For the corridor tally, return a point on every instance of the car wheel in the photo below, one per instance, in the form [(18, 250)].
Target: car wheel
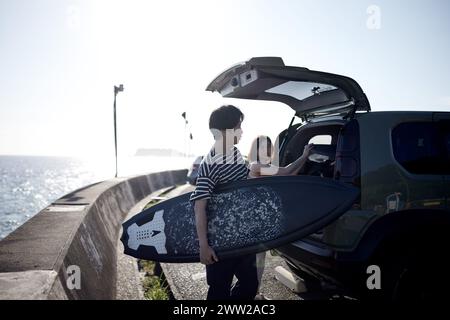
[(411, 278), (409, 286)]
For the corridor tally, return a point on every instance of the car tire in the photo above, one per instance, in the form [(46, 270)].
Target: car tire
[(412, 276)]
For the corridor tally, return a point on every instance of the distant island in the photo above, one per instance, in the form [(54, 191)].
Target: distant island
[(143, 152)]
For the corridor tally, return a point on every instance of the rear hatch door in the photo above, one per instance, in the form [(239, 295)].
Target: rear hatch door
[(310, 93)]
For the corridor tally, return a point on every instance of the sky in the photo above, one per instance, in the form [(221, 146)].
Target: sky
[(59, 62)]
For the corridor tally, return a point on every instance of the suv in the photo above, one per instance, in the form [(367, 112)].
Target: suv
[(399, 160), (193, 171)]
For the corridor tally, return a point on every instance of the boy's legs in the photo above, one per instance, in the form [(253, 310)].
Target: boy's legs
[(219, 276), (247, 285)]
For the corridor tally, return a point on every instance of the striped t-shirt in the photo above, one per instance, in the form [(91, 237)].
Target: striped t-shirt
[(216, 169)]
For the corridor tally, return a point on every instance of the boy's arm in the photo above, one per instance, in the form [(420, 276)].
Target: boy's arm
[(207, 254)]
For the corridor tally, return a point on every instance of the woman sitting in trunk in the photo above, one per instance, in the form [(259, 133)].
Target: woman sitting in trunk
[(261, 155), (260, 159)]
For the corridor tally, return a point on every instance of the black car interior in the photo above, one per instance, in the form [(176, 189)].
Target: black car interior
[(318, 166)]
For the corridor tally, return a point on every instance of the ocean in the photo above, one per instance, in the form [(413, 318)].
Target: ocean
[(30, 183)]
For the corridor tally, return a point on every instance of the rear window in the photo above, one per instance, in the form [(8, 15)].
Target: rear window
[(300, 90), (422, 147), (321, 139)]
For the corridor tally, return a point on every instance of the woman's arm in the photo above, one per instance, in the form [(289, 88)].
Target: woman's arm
[(261, 170), (257, 169), (294, 167)]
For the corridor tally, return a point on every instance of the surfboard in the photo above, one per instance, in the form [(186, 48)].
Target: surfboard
[(246, 216)]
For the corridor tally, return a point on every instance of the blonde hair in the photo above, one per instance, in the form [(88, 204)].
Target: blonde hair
[(253, 155)]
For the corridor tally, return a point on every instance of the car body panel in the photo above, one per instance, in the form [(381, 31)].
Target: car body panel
[(445, 116), (193, 170), (385, 185)]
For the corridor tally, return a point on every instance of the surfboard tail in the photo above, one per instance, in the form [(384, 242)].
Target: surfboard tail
[(150, 234)]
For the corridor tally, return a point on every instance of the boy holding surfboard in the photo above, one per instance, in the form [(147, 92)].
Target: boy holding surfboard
[(224, 163)]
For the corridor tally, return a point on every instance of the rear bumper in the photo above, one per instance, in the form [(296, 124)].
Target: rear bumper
[(341, 269)]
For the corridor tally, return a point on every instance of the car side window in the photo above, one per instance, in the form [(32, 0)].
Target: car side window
[(420, 147)]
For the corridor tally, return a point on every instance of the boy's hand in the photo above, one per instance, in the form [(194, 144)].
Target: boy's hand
[(207, 255)]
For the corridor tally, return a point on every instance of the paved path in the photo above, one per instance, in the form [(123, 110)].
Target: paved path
[(188, 280)]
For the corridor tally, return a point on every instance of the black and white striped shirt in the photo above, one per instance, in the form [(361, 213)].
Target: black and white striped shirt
[(216, 169)]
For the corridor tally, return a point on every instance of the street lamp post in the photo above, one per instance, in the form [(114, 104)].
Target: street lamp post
[(185, 132), (187, 139), (116, 91)]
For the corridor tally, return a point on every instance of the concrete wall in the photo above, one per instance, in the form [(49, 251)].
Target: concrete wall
[(80, 230)]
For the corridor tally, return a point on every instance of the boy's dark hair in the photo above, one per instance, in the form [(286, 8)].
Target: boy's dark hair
[(225, 117)]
